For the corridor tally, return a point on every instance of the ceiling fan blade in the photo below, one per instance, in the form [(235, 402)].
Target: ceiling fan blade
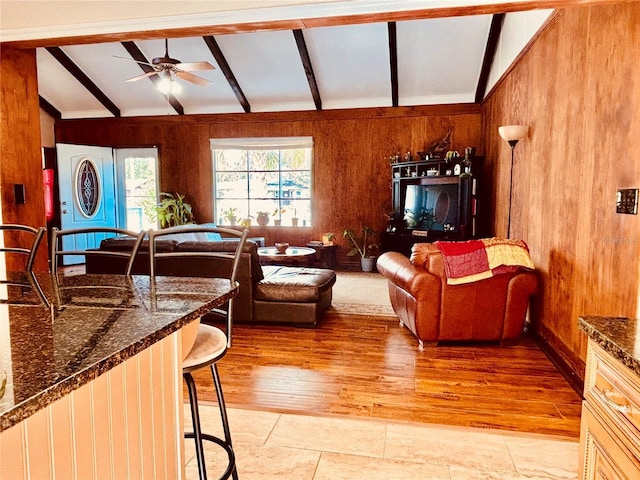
[(190, 77), (191, 66), (139, 77), (134, 60)]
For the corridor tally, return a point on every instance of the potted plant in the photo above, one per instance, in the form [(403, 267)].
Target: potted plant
[(363, 245), (173, 210), (328, 238), (262, 218), (294, 218), (277, 221), (230, 215)]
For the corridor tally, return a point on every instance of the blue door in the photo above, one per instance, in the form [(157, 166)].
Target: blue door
[(86, 180)]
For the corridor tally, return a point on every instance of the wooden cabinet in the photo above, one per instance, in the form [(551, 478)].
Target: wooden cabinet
[(610, 431)]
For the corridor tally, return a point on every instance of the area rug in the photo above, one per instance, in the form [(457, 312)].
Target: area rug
[(361, 293)]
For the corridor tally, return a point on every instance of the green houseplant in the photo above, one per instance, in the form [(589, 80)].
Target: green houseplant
[(328, 238), (173, 210), (230, 215), (364, 245)]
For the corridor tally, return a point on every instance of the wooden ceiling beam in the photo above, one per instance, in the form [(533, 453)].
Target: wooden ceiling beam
[(308, 67), (292, 24), (215, 50), (85, 81), (489, 55), (138, 56), (50, 109), (393, 62)]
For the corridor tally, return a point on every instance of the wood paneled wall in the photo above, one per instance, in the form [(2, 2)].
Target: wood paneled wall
[(351, 174), (578, 88), (20, 154)]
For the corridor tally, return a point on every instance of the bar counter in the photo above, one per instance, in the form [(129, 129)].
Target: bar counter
[(618, 336), (97, 348)]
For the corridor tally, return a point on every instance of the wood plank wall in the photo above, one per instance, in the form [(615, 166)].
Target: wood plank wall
[(20, 155), (351, 174), (578, 88)]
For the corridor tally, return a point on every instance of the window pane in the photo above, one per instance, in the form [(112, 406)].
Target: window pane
[(258, 184), (296, 159), (231, 185), (296, 184), (140, 192), (263, 160), (230, 160)]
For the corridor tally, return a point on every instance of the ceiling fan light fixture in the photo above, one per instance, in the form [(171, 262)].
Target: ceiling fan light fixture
[(168, 85)]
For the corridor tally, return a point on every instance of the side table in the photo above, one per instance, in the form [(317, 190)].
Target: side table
[(325, 255), (292, 256)]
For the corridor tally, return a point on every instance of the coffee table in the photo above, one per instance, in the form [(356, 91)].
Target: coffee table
[(291, 256)]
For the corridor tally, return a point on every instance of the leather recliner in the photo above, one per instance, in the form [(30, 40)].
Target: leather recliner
[(492, 309)]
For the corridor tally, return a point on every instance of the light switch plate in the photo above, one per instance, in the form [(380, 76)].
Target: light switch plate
[(627, 201)]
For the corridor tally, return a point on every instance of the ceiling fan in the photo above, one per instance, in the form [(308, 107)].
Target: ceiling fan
[(165, 66)]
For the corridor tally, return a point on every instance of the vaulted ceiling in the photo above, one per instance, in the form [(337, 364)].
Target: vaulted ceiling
[(421, 61)]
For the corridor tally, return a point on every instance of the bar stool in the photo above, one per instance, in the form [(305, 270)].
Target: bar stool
[(211, 343)]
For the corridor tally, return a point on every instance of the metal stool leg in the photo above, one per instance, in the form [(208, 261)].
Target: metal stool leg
[(224, 418), (197, 431)]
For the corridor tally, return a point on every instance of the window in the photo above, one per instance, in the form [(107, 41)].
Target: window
[(269, 175), (137, 187)]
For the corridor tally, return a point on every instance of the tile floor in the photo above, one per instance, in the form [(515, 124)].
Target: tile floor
[(274, 446)]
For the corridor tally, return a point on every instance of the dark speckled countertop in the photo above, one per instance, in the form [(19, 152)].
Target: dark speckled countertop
[(619, 336), (91, 324)]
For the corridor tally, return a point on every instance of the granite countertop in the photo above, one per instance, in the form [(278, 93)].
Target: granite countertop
[(619, 336), (56, 338)]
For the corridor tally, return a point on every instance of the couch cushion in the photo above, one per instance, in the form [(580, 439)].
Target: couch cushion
[(195, 236), (227, 246), (125, 243), (293, 284)]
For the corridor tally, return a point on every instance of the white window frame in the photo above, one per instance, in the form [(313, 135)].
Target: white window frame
[(263, 143)]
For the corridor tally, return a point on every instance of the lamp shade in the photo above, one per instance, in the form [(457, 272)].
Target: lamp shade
[(513, 132)]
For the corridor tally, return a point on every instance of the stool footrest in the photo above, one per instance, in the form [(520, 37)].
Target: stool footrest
[(227, 448)]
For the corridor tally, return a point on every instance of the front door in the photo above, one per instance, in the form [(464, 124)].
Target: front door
[(87, 193)]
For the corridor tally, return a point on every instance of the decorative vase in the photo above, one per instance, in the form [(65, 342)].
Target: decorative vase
[(262, 220), (367, 263)]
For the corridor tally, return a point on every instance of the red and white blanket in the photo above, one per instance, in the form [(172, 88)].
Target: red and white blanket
[(474, 260)]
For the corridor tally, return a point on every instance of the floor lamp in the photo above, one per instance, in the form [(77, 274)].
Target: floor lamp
[(512, 134)]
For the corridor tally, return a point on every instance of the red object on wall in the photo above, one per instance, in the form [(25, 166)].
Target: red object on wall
[(47, 178)]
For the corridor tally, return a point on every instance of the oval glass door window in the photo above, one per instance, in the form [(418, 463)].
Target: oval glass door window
[(88, 188)]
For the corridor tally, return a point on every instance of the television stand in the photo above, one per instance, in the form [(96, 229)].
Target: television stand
[(403, 241)]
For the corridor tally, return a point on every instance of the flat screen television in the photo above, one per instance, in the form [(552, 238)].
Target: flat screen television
[(434, 207)]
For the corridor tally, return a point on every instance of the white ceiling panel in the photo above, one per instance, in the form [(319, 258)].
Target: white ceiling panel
[(268, 69), (351, 64), (439, 60), (99, 63), (63, 91)]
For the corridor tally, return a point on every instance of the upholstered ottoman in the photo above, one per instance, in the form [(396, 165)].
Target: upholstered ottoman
[(293, 295)]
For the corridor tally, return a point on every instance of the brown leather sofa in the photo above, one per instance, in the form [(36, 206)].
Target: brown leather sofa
[(492, 309), (267, 294)]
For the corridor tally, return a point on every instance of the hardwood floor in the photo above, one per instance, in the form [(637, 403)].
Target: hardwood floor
[(366, 366)]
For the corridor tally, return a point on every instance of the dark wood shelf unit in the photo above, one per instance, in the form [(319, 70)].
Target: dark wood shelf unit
[(432, 201)]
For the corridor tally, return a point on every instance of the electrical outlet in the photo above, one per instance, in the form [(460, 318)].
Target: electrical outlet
[(627, 201)]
